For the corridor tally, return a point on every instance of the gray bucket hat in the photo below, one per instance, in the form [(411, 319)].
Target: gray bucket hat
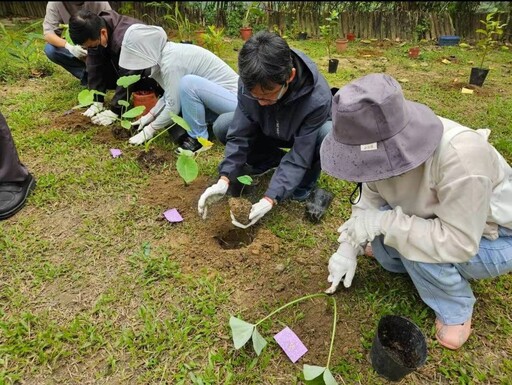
[(377, 133)]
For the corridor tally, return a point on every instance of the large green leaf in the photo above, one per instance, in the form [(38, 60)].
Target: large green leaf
[(126, 124), (86, 97), (126, 81), (187, 168), (123, 103), (241, 330), (134, 112), (312, 371), (180, 121), (258, 342)]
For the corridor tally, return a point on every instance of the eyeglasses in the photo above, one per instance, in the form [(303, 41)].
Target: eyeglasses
[(279, 95)]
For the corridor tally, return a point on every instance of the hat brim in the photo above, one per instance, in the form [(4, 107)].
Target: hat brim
[(408, 149)]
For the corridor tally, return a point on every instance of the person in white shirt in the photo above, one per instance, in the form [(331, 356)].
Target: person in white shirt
[(57, 49), (195, 81), (435, 199)]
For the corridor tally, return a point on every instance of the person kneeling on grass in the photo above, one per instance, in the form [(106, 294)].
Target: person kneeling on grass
[(16, 183), (283, 102), (195, 81), (435, 199)]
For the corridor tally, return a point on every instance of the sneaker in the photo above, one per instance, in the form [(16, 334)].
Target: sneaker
[(14, 195), (191, 144), (452, 336)]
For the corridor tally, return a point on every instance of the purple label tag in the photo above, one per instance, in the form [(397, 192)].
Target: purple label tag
[(115, 152), (291, 344), (172, 215)]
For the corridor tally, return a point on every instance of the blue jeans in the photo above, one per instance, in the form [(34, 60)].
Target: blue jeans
[(444, 287), (202, 101), (65, 59), (265, 149)]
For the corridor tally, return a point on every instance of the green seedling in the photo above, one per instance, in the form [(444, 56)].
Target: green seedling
[(246, 180), (492, 32), (126, 113), (243, 331), (86, 98)]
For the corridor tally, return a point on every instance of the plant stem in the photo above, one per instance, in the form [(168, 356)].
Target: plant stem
[(333, 332), (291, 303)]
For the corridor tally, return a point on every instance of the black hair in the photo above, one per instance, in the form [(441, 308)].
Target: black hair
[(265, 60), (85, 25)]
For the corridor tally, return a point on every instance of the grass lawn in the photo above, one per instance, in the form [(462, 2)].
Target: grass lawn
[(96, 288)]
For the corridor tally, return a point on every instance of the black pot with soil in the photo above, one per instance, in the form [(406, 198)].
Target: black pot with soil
[(478, 76), (333, 65)]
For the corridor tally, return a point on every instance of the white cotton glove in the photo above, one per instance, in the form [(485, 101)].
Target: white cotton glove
[(258, 210), (342, 263), (144, 135), (143, 121), (76, 51), (364, 227), (212, 194), (93, 109), (104, 118)]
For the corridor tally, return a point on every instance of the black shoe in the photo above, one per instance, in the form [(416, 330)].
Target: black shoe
[(318, 204), (14, 195), (191, 144)]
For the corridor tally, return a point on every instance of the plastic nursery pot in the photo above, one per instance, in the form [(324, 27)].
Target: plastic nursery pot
[(302, 36), (333, 65), (147, 99), (478, 76), (399, 347), (245, 33), (351, 36), (341, 45), (414, 52), (177, 134), (318, 205)]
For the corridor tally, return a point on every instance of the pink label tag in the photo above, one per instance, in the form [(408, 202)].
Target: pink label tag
[(291, 344), (172, 215), (115, 152)]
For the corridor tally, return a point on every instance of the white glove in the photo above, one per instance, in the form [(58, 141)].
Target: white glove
[(363, 228), (144, 135), (212, 194), (143, 121), (258, 210), (342, 263), (76, 51), (93, 109), (104, 118)]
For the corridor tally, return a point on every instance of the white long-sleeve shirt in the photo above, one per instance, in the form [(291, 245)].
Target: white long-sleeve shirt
[(442, 208)]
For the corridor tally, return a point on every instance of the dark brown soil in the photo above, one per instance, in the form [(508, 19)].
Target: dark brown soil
[(153, 157), (241, 208), (72, 120), (119, 132)]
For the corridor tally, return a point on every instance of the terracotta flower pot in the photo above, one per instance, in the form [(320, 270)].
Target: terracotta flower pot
[(414, 52), (245, 33), (200, 37), (147, 99), (351, 36), (341, 45)]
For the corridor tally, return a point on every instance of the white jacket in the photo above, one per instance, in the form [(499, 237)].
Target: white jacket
[(442, 208)]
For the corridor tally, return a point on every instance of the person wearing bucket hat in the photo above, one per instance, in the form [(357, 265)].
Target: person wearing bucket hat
[(283, 102), (435, 198), (196, 82), (101, 35)]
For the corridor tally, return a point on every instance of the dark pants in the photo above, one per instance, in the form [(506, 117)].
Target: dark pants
[(11, 169)]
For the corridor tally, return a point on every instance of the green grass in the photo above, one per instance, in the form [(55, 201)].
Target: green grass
[(95, 289)]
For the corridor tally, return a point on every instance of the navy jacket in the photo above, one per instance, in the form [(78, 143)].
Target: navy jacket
[(294, 120)]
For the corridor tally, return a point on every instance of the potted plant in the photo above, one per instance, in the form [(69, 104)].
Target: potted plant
[(254, 11), (327, 31), (493, 30)]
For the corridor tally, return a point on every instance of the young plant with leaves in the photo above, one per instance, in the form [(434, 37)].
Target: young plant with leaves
[(127, 112), (243, 331), (492, 32)]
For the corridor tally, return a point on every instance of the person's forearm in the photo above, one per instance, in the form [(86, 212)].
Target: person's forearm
[(54, 39)]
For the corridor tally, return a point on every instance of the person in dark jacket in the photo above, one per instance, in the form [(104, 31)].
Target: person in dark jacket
[(16, 183), (283, 102), (102, 36)]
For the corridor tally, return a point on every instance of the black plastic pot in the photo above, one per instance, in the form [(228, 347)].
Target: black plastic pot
[(478, 76), (302, 35), (318, 204), (333, 65), (399, 347)]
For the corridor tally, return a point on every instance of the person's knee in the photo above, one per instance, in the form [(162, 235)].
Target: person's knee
[(51, 52), (187, 84), (221, 125)]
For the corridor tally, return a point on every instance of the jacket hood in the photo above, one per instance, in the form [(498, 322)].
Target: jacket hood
[(142, 47)]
